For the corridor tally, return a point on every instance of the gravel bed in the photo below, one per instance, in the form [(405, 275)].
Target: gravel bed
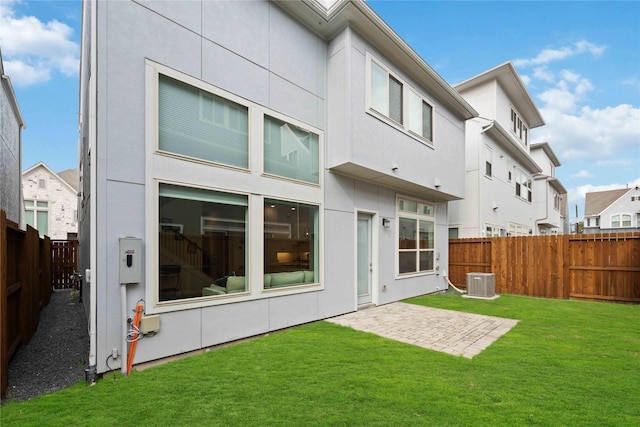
[(57, 354)]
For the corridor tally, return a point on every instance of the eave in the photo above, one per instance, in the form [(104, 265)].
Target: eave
[(512, 147), (512, 84), (327, 23)]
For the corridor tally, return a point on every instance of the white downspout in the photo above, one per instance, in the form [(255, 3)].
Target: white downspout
[(546, 205), (481, 165), (92, 275)]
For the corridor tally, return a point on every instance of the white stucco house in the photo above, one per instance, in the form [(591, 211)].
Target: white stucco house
[(51, 201), (549, 195), (612, 211), (11, 126), (500, 170), (275, 163)]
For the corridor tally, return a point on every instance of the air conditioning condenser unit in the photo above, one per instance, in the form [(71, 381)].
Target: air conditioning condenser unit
[(481, 285)]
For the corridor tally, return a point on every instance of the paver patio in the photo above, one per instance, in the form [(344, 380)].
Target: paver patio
[(447, 331)]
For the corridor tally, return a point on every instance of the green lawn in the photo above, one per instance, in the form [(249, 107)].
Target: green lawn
[(566, 363)]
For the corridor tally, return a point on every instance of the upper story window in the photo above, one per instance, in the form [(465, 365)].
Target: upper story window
[(519, 128), (195, 123), (420, 116), (386, 93), (621, 220), (523, 185), (416, 236), (42, 183), (392, 98), (488, 162), (290, 151), (556, 201)]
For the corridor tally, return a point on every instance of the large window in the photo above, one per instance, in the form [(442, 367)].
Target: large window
[(202, 125), (416, 236), (392, 98), (37, 215), (290, 244), (620, 220), (290, 151), (202, 242), (206, 251)]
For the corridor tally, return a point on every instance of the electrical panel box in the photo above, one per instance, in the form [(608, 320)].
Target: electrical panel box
[(130, 260), (149, 324)]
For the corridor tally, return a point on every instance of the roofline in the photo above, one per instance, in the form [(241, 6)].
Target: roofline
[(13, 100), (43, 164), (509, 144), (328, 22), (610, 204), (534, 118), (547, 149)]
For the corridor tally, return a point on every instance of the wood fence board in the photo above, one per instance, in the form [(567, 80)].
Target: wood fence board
[(25, 287), (564, 266)]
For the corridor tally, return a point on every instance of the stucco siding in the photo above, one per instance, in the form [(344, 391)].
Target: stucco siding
[(10, 161)]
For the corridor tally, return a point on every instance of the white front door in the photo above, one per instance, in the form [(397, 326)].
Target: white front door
[(364, 259)]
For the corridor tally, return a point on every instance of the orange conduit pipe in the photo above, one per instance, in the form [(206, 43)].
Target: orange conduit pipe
[(135, 335)]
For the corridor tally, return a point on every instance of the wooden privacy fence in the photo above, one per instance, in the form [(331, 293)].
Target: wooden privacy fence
[(25, 287), (602, 267), (64, 263)]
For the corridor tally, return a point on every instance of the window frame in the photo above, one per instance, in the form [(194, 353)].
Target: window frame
[(519, 127), (523, 180), (620, 219), (301, 126), (488, 161), (404, 125), (163, 167), (35, 206), (417, 217), (211, 90)]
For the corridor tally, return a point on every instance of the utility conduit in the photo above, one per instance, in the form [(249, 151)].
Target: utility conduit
[(135, 335)]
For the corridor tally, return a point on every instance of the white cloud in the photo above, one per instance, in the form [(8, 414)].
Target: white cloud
[(576, 130), (582, 174), (591, 134), (543, 73), (547, 56), (34, 50)]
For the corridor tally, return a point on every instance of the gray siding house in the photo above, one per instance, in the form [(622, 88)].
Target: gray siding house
[(11, 125), (269, 164)]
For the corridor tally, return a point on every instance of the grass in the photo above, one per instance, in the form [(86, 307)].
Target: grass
[(566, 363)]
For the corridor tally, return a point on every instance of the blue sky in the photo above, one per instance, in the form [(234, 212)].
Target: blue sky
[(579, 60)]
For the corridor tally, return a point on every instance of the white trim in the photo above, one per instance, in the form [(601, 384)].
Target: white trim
[(418, 216), (406, 90), (375, 255)]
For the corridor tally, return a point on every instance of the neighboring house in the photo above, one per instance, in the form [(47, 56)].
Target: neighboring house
[(11, 125), (281, 162), (51, 201), (613, 211), (549, 195), (500, 170)]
